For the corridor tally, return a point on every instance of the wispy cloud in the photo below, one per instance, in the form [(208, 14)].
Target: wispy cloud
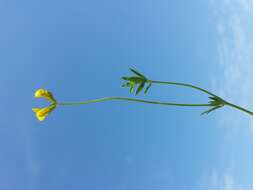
[(233, 81), (221, 181), (235, 50)]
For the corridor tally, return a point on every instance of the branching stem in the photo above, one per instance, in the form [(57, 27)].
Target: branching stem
[(205, 91), (225, 103)]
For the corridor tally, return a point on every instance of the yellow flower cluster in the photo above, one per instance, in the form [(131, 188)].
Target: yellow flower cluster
[(43, 93), (41, 113)]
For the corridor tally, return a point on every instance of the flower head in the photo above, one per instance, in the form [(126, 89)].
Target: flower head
[(43, 93), (41, 113)]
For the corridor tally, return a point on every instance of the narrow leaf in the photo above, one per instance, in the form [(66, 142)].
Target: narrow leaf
[(139, 88), (137, 73), (131, 89), (147, 88), (125, 78), (135, 79), (126, 84), (210, 110), (212, 97)]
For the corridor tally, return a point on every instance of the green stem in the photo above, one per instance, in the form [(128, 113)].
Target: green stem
[(205, 91), (239, 108), (183, 84), (130, 100)]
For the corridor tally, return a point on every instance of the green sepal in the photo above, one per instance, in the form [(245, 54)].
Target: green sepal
[(52, 99)]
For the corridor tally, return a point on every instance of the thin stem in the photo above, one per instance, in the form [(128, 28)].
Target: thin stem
[(239, 108), (130, 100), (183, 84), (205, 91)]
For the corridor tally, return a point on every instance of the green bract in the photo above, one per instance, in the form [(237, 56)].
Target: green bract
[(137, 80)]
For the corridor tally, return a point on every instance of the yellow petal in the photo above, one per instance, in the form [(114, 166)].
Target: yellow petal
[(36, 110), (41, 118), (40, 93), (41, 113), (43, 93)]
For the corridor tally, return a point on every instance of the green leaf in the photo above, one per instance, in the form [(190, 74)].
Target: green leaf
[(137, 73), (125, 78), (131, 89), (139, 88), (147, 88), (135, 79), (212, 97), (210, 110), (126, 84)]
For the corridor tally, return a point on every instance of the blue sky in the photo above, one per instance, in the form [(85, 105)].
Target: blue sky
[(80, 49)]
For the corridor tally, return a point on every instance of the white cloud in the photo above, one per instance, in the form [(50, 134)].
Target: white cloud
[(235, 52), (233, 20), (215, 180), (247, 5)]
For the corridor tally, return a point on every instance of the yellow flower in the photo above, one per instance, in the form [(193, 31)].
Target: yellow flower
[(43, 93), (41, 113)]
